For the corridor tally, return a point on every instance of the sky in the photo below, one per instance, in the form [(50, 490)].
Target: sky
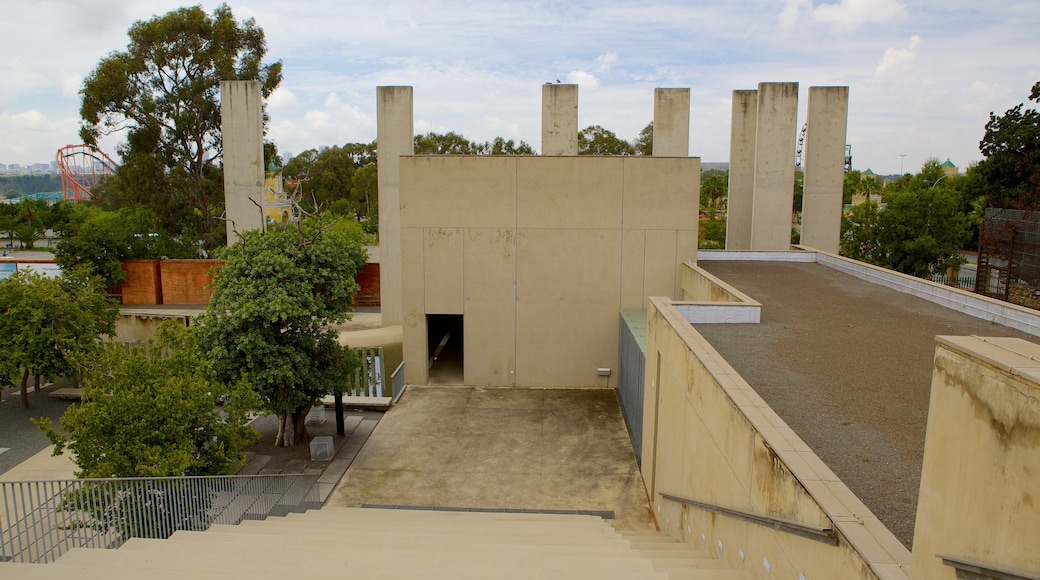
[(923, 75)]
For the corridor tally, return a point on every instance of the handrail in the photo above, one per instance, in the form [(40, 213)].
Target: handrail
[(821, 534), (969, 570), (39, 520)]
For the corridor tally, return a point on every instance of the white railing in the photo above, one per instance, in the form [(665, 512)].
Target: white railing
[(39, 520)]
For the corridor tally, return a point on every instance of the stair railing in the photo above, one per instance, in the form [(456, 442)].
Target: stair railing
[(818, 533)]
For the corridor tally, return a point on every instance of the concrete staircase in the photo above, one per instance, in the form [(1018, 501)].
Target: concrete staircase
[(375, 543)]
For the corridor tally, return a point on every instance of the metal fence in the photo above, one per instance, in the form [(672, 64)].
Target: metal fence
[(368, 381), (42, 519), (962, 282), (1009, 256)]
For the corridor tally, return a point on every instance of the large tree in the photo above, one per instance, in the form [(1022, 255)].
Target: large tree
[(920, 229), (51, 326), (1011, 147), (163, 90), (595, 140), (270, 318), (154, 413)]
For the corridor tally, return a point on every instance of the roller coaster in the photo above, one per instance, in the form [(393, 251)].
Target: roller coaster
[(82, 167)]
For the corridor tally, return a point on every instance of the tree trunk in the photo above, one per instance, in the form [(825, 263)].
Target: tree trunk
[(36, 384), (292, 428), (25, 389)]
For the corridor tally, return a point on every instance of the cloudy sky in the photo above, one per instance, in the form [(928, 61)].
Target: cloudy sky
[(923, 74)]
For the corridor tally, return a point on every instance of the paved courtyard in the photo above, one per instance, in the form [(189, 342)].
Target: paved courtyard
[(463, 447)]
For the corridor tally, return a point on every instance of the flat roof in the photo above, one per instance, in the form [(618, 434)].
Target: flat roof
[(848, 365)]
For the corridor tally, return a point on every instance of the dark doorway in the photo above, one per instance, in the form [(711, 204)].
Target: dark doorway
[(445, 341)]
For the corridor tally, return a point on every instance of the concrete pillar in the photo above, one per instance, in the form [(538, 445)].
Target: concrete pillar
[(741, 170), (775, 134), (242, 132), (824, 178), (394, 138), (671, 123), (559, 119)]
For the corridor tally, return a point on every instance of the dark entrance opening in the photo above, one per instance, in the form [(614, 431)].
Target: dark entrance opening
[(445, 341)]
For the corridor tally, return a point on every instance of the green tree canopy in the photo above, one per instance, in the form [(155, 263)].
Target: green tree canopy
[(644, 143), (103, 240), (1011, 148), (270, 318), (51, 326), (153, 413), (714, 191), (595, 140), (163, 90), (920, 230)]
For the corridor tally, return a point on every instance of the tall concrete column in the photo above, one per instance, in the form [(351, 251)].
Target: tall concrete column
[(559, 119), (741, 170), (242, 133), (671, 123), (394, 138), (824, 178), (775, 135)]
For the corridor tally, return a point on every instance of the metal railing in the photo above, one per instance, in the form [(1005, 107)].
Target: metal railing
[(368, 380), (39, 520), (971, 570), (821, 534)]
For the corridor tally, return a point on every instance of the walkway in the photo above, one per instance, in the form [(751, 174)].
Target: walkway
[(536, 449)]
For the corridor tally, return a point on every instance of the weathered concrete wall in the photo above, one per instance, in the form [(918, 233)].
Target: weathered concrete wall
[(980, 482), (709, 437), (395, 134), (741, 189), (242, 131), (140, 327), (671, 123), (701, 286), (822, 199), (539, 254), (187, 281), (775, 135), (143, 283), (559, 119)]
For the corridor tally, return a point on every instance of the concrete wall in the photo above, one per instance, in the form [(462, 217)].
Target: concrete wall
[(709, 437), (741, 170), (702, 286), (671, 122), (143, 283), (187, 281), (141, 327), (242, 131), (559, 119), (775, 135), (980, 482), (823, 200), (539, 254), (395, 134)]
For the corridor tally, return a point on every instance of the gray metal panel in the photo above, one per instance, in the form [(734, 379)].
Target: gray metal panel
[(631, 367)]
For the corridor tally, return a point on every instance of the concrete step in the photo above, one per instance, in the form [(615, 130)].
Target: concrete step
[(388, 537), (300, 521), (702, 574), (244, 561), (439, 515)]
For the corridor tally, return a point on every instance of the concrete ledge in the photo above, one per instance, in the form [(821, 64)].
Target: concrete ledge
[(699, 313), (352, 402)]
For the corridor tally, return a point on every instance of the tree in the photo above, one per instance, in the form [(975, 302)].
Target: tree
[(919, 232), (1011, 148), (103, 240), (714, 191), (164, 92), (269, 320), (644, 143), (154, 413), (450, 143), (51, 326), (595, 140), (501, 146)]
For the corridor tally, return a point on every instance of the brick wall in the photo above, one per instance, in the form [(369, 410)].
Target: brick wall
[(187, 281), (368, 279), (142, 286)]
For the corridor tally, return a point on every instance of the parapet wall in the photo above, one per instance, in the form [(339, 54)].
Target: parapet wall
[(709, 438), (980, 482)]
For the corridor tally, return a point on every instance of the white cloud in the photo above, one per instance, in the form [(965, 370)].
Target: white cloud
[(898, 59), (70, 85), (792, 13), (851, 14), (282, 100), (584, 79), (605, 61)]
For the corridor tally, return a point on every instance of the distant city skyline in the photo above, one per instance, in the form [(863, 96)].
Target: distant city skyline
[(923, 74)]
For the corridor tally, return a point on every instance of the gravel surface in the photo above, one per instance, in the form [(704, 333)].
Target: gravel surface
[(848, 365)]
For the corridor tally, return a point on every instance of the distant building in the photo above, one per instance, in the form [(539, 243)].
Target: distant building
[(949, 168)]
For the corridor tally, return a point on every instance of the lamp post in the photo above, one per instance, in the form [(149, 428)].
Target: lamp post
[(901, 156)]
